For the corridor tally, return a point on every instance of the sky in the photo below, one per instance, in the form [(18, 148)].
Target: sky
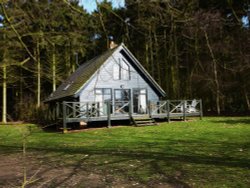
[(245, 21), (90, 5)]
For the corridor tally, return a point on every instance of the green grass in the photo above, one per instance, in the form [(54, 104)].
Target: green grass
[(214, 152)]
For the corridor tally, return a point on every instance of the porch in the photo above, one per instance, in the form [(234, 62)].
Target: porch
[(125, 110)]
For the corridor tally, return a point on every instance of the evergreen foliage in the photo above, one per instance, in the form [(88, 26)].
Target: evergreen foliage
[(194, 49)]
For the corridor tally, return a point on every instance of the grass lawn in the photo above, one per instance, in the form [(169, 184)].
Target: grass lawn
[(214, 152)]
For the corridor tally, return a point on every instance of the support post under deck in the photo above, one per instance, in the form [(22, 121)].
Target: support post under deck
[(149, 109), (64, 118), (109, 113), (57, 110), (201, 111), (168, 110), (184, 110)]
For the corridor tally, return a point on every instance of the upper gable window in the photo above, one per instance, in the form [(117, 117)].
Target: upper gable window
[(125, 70), (116, 71), (121, 70)]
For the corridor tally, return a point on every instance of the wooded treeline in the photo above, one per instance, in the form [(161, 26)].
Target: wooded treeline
[(193, 48)]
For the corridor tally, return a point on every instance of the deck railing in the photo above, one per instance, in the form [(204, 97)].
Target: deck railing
[(85, 109), (102, 109), (121, 107), (77, 111), (178, 107)]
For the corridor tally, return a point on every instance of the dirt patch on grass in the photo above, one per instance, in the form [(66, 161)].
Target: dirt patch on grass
[(42, 172)]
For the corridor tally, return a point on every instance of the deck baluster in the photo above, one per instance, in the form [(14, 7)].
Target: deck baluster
[(109, 113), (87, 110), (184, 110), (64, 118), (168, 110), (98, 110), (74, 110), (201, 111), (130, 109), (57, 110), (149, 109)]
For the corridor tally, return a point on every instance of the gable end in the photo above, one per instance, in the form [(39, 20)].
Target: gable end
[(145, 75)]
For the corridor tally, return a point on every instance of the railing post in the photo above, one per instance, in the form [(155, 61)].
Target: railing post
[(109, 113), (168, 110), (201, 111), (87, 110), (54, 112), (64, 118), (149, 109), (130, 109), (98, 110), (158, 107), (184, 110), (57, 110), (74, 109), (48, 113), (51, 113), (61, 110)]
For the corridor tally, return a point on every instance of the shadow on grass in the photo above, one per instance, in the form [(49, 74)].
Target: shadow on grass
[(231, 121), (168, 156), (161, 157)]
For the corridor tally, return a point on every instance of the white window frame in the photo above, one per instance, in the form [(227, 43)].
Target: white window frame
[(121, 70), (125, 70)]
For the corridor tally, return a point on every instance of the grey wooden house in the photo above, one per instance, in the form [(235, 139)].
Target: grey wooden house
[(114, 86)]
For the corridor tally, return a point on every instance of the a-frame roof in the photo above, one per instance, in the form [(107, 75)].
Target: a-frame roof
[(74, 83)]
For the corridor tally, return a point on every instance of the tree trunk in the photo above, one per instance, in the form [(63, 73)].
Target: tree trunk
[(68, 60), (166, 65), (173, 54), (151, 52), (196, 63), (176, 67), (156, 47), (215, 72), (75, 63), (4, 112), (20, 115), (246, 98), (146, 54), (38, 75), (53, 68)]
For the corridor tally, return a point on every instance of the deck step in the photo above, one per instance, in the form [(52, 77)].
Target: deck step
[(143, 121)]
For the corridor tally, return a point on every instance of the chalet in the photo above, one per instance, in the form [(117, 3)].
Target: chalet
[(114, 86)]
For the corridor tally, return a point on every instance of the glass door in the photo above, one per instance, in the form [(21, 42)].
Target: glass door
[(140, 101), (102, 97)]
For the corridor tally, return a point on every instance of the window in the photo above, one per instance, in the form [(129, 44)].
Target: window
[(121, 70), (125, 70), (122, 94), (103, 95), (116, 71)]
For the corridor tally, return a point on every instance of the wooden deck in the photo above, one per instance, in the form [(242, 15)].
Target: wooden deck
[(123, 110)]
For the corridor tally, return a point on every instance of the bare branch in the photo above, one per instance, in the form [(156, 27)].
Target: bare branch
[(16, 32)]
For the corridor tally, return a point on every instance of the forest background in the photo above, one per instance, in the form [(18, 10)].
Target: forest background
[(193, 48)]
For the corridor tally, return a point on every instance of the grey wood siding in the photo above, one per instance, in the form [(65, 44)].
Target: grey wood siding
[(103, 78)]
